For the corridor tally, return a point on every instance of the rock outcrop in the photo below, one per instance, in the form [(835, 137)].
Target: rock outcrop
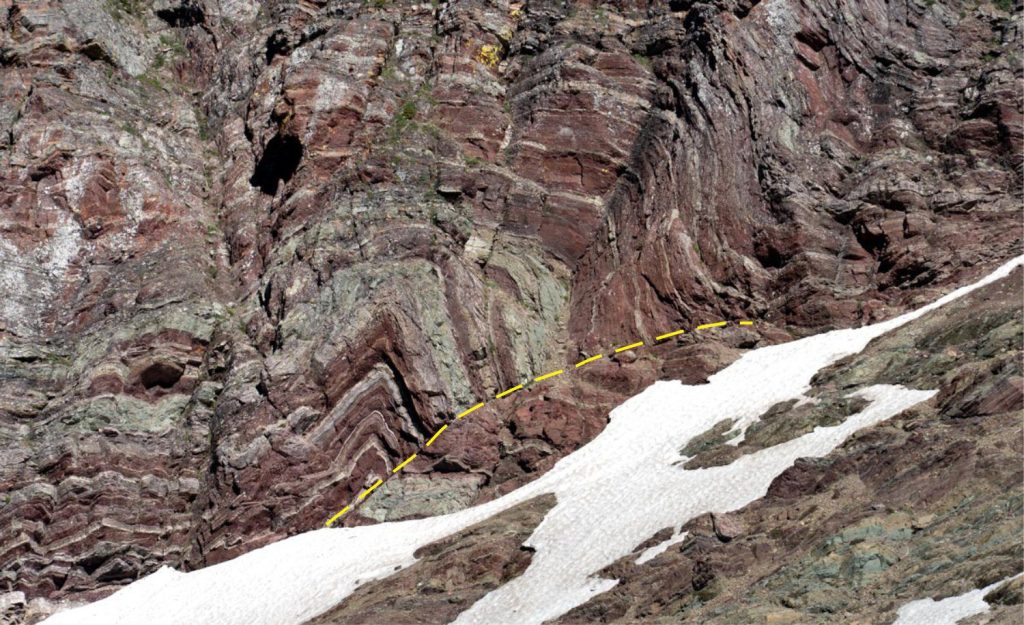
[(927, 504), (460, 569), (252, 254)]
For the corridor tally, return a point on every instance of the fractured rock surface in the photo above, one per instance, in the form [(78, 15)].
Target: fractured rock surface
[(252, 254)]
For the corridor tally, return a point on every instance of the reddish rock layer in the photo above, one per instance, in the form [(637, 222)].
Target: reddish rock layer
[(254, 253)]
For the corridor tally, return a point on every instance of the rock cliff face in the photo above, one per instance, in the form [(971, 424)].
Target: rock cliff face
[(252, 254)]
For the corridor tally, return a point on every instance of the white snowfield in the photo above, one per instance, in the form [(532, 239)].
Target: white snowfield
[(613, 494), (948, 611)]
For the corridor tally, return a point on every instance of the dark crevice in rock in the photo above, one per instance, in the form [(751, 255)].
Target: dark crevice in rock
[(92, 562), (162, 374), (264, 299), (182, 16), (406, 394), (277, 45), (278, 164), (97, 51)]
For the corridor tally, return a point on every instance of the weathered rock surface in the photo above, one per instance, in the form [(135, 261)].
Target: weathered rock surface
[(928, 504), (449, 575), (252, 254)]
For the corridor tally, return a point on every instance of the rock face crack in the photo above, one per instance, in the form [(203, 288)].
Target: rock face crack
[(406, 394), (183, 15), (278, 164)]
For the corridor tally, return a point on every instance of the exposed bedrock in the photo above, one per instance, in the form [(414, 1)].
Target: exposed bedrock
[(253, 254)]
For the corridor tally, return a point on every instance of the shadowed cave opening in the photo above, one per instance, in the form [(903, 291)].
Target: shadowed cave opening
[(277, 44), (278, 164), (162, 374), (186, 14)]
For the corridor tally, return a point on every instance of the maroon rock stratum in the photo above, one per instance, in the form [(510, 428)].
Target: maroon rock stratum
[(252, 253)]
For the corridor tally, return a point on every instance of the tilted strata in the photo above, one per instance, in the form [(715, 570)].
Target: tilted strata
[(251, 255)]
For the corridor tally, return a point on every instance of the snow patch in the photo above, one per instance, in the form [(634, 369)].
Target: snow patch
[(653, 552), (948, 611)]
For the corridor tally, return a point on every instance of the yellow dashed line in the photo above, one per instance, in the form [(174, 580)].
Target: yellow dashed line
[(716, 324), (588, 360), (540, 378), (405, 462), (509, 391), (334, 518), (369, 490), (630, 346), (548, 375), (436, 434), (469, 410)]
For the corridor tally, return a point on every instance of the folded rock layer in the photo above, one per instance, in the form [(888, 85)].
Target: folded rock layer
[(253, 254)]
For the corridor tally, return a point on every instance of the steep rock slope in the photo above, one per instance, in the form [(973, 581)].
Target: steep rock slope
[(252, 254)]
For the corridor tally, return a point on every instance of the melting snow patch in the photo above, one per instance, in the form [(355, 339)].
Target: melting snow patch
[(613, 494), (653, 552), (948, 611)]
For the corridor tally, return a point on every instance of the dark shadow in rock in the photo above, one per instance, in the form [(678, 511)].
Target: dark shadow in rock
[(162, 374), (278, 164), (186, 14)]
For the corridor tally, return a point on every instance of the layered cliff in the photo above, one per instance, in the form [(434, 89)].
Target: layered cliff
[(252, 254)]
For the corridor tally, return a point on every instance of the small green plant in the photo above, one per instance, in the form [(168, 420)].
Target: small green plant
[(202, 124), (121, 8), (406, 113), (472, 161), (151, 81), (173, 44), (1004, 5), (58, 359)]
